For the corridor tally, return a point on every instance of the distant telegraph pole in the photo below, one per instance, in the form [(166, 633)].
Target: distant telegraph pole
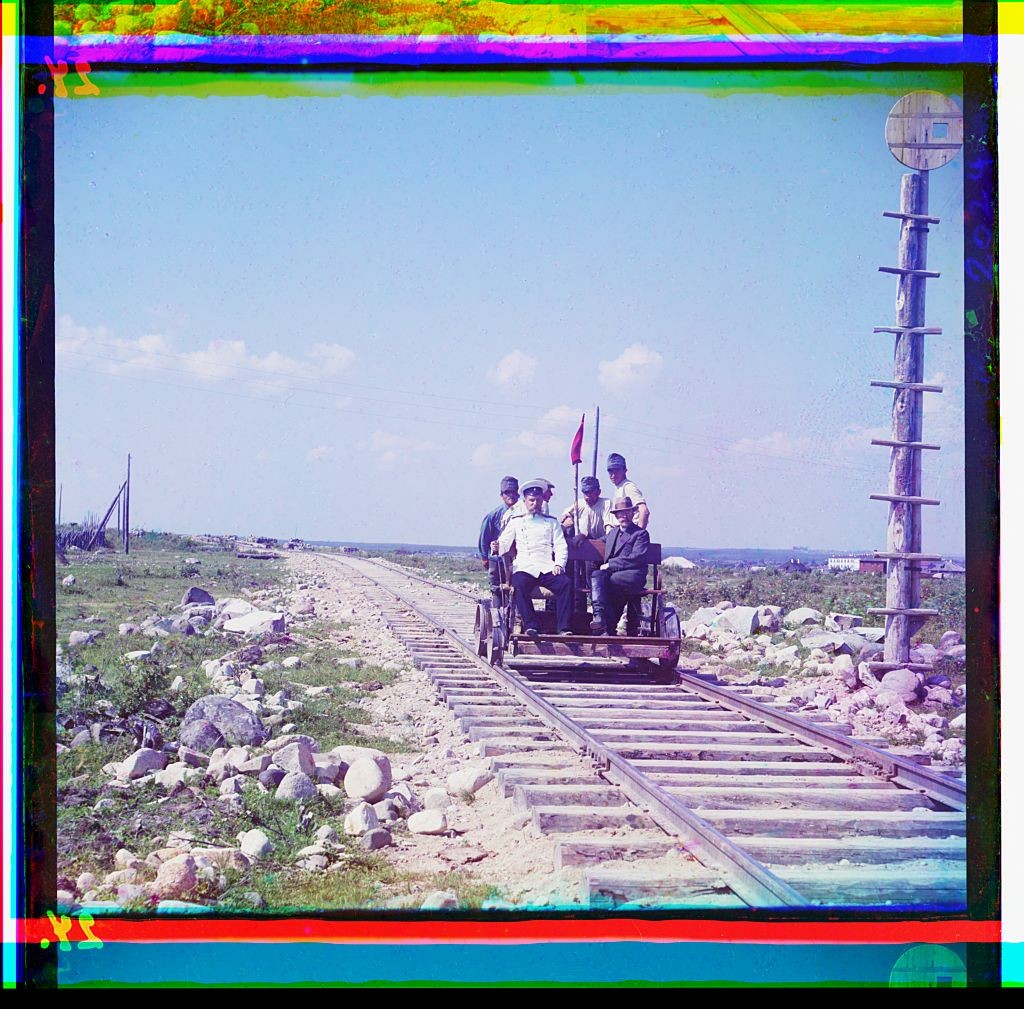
[(924, 131), (127, 499)]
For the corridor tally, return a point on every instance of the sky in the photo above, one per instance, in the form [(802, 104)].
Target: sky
[(347, 315)]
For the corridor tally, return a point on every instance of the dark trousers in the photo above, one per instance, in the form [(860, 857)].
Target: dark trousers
[(524, 584), (611, 592), (494, 576)]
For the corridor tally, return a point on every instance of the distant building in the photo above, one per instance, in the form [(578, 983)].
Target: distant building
[(795, 565), (948, 569), (844, 564), (865, 565)]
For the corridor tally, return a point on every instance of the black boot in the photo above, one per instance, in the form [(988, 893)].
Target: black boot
[(597, 625)]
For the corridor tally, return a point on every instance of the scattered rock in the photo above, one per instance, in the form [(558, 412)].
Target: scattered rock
[(441, 900), (237, 724), (68, 581), (296, 757), (429, 821), (436, 798), (255, 843), (742, 620), (468, 780), (949, 640), (176, 878), (361, 819), (271, 777), (292, 662), (76, 639), (842, 621), (131, 894), (802, 615), (294, 787), (903, 682), (368, 778), (141, 762), (256, 622), (197, 595), (379, 837)]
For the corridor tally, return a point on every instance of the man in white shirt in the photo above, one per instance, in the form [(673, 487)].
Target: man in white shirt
[(541, 554), (625, 488), (590, 511)]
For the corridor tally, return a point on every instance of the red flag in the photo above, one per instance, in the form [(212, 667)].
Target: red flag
[(577, 445)]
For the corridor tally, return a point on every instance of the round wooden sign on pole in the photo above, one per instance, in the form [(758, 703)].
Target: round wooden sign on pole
[(925, 130)]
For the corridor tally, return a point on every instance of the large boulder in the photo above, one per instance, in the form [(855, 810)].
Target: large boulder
[(234, 607), (742, 620), (197, 595), (141, 762), (295, 757), (237, 724), (256, 622), (842, 621), (802, 615), (368, 778), (201, 736), (176, 878), (903, 682), (294, 787)]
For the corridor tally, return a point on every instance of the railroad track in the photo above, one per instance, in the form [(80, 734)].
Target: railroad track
[(687, 794)]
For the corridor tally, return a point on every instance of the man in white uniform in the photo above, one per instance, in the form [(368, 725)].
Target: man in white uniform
[(625, 488), (520, 508), (541, 554)]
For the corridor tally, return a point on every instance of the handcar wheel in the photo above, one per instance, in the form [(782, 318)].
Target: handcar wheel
[(496, 647), (670, 629), (482, 628)]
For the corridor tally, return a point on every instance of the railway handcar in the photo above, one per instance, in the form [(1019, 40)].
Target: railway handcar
[(656, 646)]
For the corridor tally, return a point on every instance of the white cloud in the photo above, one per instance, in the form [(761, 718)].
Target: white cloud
[(332, 357), (219, 360), (389, 449), (636, 366), (318, 453), (539, 443), (777, 444), (513, 369), (485, 456), (561, 418), (857, 438)]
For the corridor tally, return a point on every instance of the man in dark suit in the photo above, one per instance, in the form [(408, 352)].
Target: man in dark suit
[(621, 578)]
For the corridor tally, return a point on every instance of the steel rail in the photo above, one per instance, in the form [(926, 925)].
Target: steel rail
[(897, 769), (749, 879), (398, 569)]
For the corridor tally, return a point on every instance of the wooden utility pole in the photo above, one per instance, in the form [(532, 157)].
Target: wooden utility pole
[(924, 131), (127, 499)]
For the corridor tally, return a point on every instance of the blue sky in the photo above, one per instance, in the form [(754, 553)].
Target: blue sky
[(346, 317)]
